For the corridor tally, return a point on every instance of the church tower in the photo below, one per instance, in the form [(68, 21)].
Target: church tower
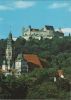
[(9, 51)]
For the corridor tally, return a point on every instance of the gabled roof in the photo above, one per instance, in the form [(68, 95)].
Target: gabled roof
[(32, 59)]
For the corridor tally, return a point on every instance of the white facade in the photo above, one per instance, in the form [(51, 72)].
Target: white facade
[(3, 67), (7, 63), (21, 65), (37, 34), (9, 53), (18, 65)]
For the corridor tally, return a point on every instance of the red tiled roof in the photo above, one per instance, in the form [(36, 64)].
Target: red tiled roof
[(33, 59)]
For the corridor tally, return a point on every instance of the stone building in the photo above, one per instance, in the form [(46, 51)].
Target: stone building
[(26, 63), (7, 63), (21, 65), (46, 32)]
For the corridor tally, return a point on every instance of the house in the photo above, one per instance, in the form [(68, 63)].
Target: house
[(33, 61), (59, 74), (21, 65), (26, 63)]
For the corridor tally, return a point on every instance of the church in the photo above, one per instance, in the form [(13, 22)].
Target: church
[(23, 63), (8, 64)]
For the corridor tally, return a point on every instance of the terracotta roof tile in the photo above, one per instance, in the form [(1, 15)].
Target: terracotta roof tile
[(33, 59)]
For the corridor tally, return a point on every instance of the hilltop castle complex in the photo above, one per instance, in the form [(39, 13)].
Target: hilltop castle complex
[(46, 32), (23, 61)]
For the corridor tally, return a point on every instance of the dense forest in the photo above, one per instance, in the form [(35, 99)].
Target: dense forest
[(39, 84)]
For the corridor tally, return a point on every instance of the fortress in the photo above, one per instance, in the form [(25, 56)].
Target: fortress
[(45, 32)]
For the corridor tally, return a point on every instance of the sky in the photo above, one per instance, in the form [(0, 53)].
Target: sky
[(16, 14)]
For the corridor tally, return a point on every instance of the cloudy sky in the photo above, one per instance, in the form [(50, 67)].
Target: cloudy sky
[(16, 14)]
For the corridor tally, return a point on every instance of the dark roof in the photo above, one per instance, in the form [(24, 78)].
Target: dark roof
[(59, 33), (34, 29), (49, 27)]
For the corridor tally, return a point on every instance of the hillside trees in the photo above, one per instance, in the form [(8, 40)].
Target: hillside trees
[(38, 84), (2, 50), (18, 46)]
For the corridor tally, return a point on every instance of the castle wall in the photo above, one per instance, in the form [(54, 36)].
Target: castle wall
[(38, 34)]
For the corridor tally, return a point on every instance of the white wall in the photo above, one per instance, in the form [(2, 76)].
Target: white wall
[(38, 34), (3, 67), (18, 65)]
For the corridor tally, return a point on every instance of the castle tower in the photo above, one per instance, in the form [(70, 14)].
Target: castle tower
[(9, 51)]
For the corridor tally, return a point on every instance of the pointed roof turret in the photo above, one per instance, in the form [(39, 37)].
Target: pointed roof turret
[(19, 57), (9, 40), (10, 35)]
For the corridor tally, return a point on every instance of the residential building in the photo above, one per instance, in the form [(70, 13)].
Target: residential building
[(21, 65), (26, 63), (33, 59)]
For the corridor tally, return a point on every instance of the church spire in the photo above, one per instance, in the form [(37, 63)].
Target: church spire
[(9, 50), (10, 35)]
